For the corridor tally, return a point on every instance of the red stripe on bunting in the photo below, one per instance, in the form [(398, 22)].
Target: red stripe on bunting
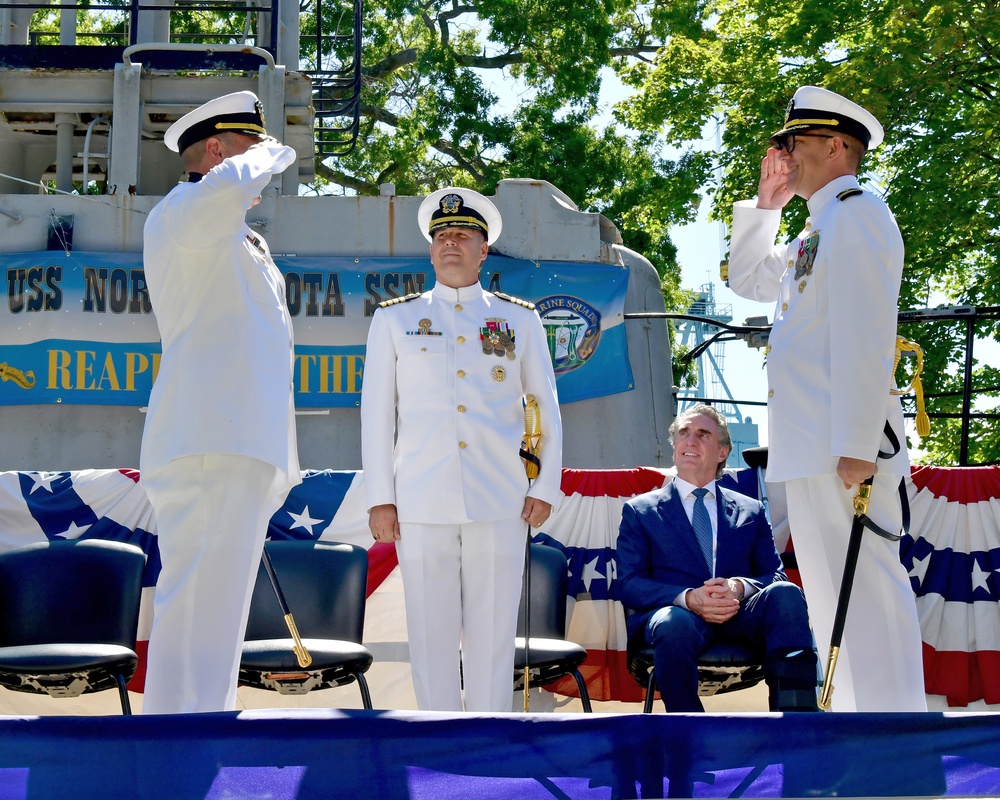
[(959, 484), (381, 561), (611, 482), (607, 677), (962, 677), (138, 682)]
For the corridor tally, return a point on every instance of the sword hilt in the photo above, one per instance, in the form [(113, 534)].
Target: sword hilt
[(862, 498), (301, 654)]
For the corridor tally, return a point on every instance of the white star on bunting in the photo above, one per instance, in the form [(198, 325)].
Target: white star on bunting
[(74, 531), (590, 572), (303, 520), (43, 480), (919, 568), (979, 576)]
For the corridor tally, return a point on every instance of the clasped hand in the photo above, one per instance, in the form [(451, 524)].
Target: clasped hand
[(714, 601)]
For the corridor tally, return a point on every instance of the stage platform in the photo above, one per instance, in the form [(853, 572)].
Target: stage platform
[(321, 753)]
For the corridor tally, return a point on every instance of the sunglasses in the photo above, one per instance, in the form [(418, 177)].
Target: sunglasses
[(786, 141)]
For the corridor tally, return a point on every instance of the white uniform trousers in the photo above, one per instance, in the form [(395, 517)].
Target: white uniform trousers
[(461, 587), (880, 667), (212, 513)]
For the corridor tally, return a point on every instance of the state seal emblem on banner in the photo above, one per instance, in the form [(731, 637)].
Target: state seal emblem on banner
[(572, 330)]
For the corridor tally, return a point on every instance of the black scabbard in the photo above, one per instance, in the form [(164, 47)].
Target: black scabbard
[(846, 586), (847, 582), (265, 558)]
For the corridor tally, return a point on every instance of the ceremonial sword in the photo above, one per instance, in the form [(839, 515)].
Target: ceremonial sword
[(861, 500), (301, 654), (862, 521), (532, 465)]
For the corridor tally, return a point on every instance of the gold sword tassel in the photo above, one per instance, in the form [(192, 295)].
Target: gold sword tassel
[(532, 441), (916, 386)]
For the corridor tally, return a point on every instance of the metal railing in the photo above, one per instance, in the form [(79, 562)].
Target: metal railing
[(130, 10), (756, 336), (336, 80), (332, 62)]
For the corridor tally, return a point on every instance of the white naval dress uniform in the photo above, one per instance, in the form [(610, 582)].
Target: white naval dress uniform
[(219, 452), (454, 474), (829, 368)]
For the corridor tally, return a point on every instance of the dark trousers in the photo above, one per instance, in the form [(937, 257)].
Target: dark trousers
[(774, 620)]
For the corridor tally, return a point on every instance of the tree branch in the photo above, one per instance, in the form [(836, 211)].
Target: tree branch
[(410, 55), (491, 62), (474, 166), (638, 52), (391, 63), (345, 179)]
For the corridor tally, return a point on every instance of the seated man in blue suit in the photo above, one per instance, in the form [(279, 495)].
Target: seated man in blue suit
[(697, 563)]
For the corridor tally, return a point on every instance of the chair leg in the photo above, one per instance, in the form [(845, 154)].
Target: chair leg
[(366, 698), (584, 694), (123, 695), (647, 707)]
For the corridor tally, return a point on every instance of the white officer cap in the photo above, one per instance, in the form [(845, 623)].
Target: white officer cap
[(452, 207), (815, 107), (239, 112)]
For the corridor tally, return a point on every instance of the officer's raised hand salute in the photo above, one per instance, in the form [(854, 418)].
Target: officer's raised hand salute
[(830, 362)]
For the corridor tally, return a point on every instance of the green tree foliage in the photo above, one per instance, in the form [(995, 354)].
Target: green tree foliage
[(437, 109), (929, 71)]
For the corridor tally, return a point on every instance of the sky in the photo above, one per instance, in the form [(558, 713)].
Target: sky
[(700, 248)]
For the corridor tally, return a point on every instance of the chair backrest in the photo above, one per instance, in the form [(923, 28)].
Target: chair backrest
[(324, 584), (79, 591), (549, 577)]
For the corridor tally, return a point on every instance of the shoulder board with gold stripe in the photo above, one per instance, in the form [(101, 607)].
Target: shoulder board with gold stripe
[(852, 192), (515, 300), (395, 301)]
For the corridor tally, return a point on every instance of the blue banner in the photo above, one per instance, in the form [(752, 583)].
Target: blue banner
[(80, 329)]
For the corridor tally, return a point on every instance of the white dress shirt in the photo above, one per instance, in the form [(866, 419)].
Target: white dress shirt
[(688, 498)]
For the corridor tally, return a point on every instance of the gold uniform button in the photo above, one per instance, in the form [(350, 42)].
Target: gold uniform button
[(770, 392), (461, 340), (461, 373), (808, 224), (767, 350), (462, 445), (791, 262), (784, 306), (461, 409), (458, 306)]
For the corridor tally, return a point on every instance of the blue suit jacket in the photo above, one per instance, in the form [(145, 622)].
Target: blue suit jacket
[(659, 557)]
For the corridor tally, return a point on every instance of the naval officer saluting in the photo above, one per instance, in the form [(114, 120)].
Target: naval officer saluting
[(218, 450), (830, 371), (446, 373)]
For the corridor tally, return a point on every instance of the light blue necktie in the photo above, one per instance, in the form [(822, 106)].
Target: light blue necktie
[(702, 526)]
